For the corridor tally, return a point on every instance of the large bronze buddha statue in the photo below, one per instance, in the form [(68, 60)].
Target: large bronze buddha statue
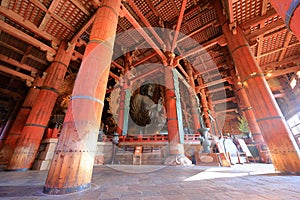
[(144, 112)]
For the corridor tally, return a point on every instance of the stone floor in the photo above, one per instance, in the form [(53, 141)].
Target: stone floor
[(118, 182)]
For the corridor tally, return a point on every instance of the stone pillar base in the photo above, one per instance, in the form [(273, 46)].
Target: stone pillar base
[(179, 159)]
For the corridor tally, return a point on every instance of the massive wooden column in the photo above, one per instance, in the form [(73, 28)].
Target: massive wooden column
[(72, 165), (214, 128), (247, 111), (123, 114), (17, 127), (204, 104), (194, 106), (283, 148), (14, 106), (32, 133), (289, 11), (176, 147)]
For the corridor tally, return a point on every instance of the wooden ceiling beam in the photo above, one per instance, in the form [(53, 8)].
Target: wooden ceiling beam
[(293, 59), (27, 25), (198, 88), (231, 110), (281, 72), (152, 72), (144, 59), (82, 30), (201, 47), (224, 100), (117, 65), (132, 20), (202, 28), (145, 21), (150, 4), (16, 73), (229, 87), (50, 13), (9, 93), (259, 19), (22, 53), (24, 37), (81, 7), (116, 77), (18, 64), (265, 30), (230, 11), (177, 29), (264, 7), (208, 70), (278, 49), (287, 41)]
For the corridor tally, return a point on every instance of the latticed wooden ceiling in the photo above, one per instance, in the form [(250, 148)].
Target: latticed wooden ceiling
[(32, 29)]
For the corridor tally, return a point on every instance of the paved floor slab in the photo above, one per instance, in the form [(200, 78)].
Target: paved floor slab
[(142, 182)]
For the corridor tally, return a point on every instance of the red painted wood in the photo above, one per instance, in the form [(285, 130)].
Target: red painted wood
[(281, 7), (17, 127), (204, 104), (122, 96), (283, 148), (33, 131), (173, 129), (72, 166), (246, 109), (195, 117)]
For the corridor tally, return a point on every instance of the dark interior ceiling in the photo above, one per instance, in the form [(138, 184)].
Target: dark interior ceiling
[(30, 31)]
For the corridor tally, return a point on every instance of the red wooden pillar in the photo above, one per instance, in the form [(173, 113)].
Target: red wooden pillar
[(121, 114), (17, 127), (246, 108), (8, 121), (176, 147), (195, 117), (32, 133), (215, 130), (72, 164), (283, 148), (204, 104), (173, 130), (289, 11)]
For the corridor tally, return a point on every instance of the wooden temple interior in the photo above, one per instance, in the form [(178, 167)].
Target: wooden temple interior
[(70, 70)]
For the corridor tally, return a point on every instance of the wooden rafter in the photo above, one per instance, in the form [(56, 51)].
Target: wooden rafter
[(18, 64), (177, 29), (229, 87), (145, 21), (267, 29), (198, 88), (16, 73), (27, 24), (132, 20), (288, 38), (279, 49), (284, 71), (24, 37), (224, 100), (49, 14), (202, 47), (80, 6)]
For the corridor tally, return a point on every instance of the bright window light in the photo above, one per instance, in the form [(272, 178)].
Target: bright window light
[(293, 83)]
